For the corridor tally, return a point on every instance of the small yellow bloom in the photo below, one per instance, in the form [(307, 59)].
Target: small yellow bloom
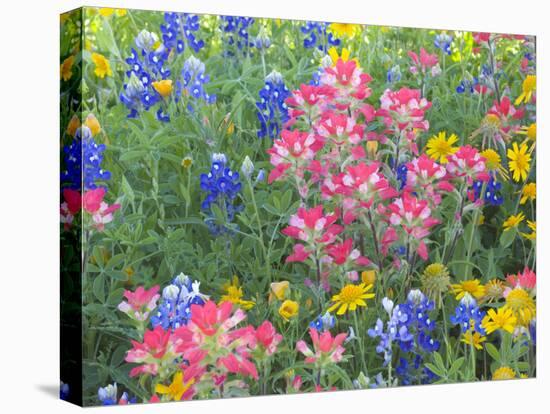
[(513, 221), (289, 309), (66, 68), (528, 87), (439, 147), (368, 277), (503, 319), (344, 29), (351, 296), (102, 66), (533, 227), (474, 338), (504, 373), (279, 289), (108, 11), (230, 128), (473, 287), (529, 131), (372, 148), (163, 87), (176, 389), (74, 124), (529, 193), (92, 123), (187, 162), (234, 294), (519, 161)]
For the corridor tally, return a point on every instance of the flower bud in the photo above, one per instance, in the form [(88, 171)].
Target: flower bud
[(247, 167)]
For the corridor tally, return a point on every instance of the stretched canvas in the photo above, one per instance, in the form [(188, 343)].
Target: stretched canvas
[(254, 206)]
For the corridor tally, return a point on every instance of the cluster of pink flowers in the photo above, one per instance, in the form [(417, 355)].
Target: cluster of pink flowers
[(91, 203), (211, 345)]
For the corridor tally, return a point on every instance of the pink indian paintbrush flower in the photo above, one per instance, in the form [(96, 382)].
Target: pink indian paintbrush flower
[(313, 226), (467, 163), (349, 82), (427, 178), (102, 213), (414, 217), (344, 252), (526, 279), (293, 150), (425, 60), (140, 303), (150, 353), (266, 338), (326, 348)]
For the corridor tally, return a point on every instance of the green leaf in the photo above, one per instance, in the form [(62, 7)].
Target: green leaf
[(507, 237), (492, 351), (98, 288)]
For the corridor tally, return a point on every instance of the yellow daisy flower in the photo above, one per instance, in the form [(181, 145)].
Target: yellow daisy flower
[(344, 29), (289, 309), (473, 338), (513, 221), (163, 87), (345, 56), (503, 319), (102, 66), (350, 297), (176, 389), (494, 162), (529, 131), (504, 373), (529, 193), (234, 294), (522, 305), (439, 147), (528, 87), (66, 69), (519, 161), (473, 287), (533, 227), (187, 162)]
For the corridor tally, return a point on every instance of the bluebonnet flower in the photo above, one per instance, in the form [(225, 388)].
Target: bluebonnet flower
[(443, 42), (323, 322), (83, 159), (64, 391), (222, 187), (401, 173), (468, 315), (394, 74), (174, 309), (192, 83), (146, 66), (236, 30), (272, 109), (109, 396), (262, 40), (318, 37), (409, 326), (179, 29), (492, 188), (467, 85), (410, 372)]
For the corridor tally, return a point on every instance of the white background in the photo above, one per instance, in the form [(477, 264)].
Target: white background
[(29, 67)]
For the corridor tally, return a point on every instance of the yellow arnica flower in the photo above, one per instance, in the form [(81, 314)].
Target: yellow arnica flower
[(494, 289), (102, 66), (344, 29), (234, 294), (279, 289), (503, 319), (289, 309), (176, 389), (529, 131), (513, 221), (92, 123), (108, 11), (529, 193), (533, 227), (473, 287), (74, 124), (350, 297), (494, 162), (528, 87), (519, 161), (334, 56), (475, 339), (66, 68), (187, 162), (163, 87), (522, 305), (504, 373), (439, 147)]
